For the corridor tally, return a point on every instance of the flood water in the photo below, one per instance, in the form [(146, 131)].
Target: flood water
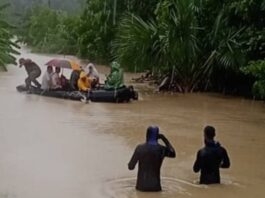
[(53, 148)]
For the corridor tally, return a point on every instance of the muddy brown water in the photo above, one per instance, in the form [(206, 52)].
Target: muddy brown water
[(52, 148)]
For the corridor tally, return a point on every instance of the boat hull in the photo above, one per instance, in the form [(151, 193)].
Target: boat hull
[(124, 94)]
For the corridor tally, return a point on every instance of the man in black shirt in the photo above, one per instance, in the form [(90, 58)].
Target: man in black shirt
[(150, 156), (210, 158)]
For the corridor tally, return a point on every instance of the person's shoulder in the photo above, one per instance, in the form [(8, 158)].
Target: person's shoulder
[(162, 147), (28, 61), (138, 148), (141, 145), (219, 145), (201, 150), (223, 149)]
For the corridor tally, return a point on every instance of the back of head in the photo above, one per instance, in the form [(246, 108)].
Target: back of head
[(152, 134), (209, 132)]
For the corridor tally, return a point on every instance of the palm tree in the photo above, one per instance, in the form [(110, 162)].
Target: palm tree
[(175, 44), (167, 44)]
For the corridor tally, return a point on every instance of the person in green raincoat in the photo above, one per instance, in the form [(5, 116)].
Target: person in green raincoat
[(115, 78)]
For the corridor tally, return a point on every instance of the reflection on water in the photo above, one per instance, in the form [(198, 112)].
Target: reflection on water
[(125, 187), (172, 187), (52, 148)]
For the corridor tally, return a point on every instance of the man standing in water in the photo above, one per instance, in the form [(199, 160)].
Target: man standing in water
[(150, 156), (33, 71), (210, 158)]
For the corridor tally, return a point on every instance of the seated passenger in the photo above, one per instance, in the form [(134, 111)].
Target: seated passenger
[(115, 78), (93, 74), (73, 80), (84, 83), (56, 80), (65, 83), (47, 79)]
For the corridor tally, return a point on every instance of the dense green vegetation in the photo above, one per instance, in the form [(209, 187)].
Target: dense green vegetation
[(48, 30), (6, 45), (198, 45), (257, 69)]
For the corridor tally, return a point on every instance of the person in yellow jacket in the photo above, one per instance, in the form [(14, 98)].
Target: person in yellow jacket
[(84, 83)]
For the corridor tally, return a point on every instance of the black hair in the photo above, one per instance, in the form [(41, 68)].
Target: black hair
[(209, 132)]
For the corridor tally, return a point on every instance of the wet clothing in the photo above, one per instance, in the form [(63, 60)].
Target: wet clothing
[(31, 66), (209, 159), (33, 71), (46, 81), (84, 83), (73, 80), (93, 73), (32, 77), (150, 156), (115, 78), (56, 81)]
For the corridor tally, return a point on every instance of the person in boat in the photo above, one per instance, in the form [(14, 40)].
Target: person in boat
[(47, 79), (74, 79), (84, 83), (150, 156), (93, 74), (56, 79), (115, 79), (210, 158), (33, 71)]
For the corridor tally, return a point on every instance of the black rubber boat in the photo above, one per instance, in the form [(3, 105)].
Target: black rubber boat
[(124, 94)]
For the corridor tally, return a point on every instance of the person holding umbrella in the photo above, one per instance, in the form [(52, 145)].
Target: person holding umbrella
[(33, 71), (67, 64)]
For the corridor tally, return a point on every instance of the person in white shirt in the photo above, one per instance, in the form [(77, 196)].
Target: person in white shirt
[(47, 79), (56, 80)]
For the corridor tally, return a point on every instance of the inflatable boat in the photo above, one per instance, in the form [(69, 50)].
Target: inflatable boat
[(124, 94)]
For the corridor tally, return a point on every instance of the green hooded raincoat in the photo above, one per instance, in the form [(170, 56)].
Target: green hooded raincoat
[(115, 78)]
